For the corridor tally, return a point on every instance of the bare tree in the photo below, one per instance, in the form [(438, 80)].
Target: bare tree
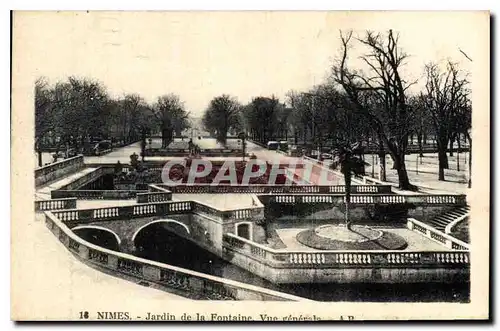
[(131, 107), (44, 115), (384, 83), (445, 95)]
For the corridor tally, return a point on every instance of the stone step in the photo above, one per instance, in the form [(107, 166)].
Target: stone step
[(456, 214), (439, 225), (444, 219), (441, 221)]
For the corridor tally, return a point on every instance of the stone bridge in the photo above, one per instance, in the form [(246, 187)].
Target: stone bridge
[(121, 234), (117, 228)]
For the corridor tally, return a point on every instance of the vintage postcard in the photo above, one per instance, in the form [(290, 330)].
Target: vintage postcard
[(250, 166)]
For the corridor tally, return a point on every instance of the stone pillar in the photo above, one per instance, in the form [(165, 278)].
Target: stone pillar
[(196, 284), (409, 225), (151, 272), (113, 262), (84, 252)]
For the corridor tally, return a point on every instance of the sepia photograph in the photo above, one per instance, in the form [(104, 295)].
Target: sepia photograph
[(250, 166)]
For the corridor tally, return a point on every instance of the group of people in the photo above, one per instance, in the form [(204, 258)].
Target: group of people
[(194, 150)]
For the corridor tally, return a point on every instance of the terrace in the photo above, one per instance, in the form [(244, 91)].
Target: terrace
[(257, 226)]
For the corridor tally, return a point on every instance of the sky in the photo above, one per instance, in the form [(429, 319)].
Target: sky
[(200, 55)]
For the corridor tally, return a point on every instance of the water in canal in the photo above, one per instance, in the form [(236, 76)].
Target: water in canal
[(164, 246)]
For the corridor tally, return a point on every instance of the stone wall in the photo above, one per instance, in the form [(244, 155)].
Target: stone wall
[(262, 264), (58, 170), (170, 278)]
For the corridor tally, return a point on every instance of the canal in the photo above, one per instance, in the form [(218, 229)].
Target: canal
[(161, 245)]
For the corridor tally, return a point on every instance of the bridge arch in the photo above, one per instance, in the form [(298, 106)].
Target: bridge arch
[(99, 235), (160, 221)]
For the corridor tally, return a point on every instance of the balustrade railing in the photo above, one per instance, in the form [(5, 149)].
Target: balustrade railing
[(55, 204), (96, 255), (345, 258), (191, 283), (185, 151), (130, 267), (325, 189), (243, 213), (449, 228), (155, 209), (124, 212), (436, 235), (181, 206), (380, 199), (97, 194), (154, 197)]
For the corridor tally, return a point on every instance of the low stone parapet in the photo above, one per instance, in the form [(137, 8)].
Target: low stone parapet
[(178, 280), (347, 266), (436, 235), (57, 170), (263, 189), (375, 199), (212, 152), (158, 209), (55, 204), (154, 197), (97, 194)]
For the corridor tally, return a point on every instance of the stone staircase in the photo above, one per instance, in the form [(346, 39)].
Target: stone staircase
[(440, 222)]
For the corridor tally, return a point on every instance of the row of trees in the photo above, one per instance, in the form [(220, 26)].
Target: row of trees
[(75, 113), (264, 118), (376, 106)]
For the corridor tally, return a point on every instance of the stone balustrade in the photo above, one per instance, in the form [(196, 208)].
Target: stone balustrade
[(436, 235), (325, 189), (97, 194), (55, 204), (379, 199), (124, 212), (242, 213), (180, 207), (343, 259), (154, 197), (57, 170), (157, 209), (209, 152), (182, 281), (450, 227)]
